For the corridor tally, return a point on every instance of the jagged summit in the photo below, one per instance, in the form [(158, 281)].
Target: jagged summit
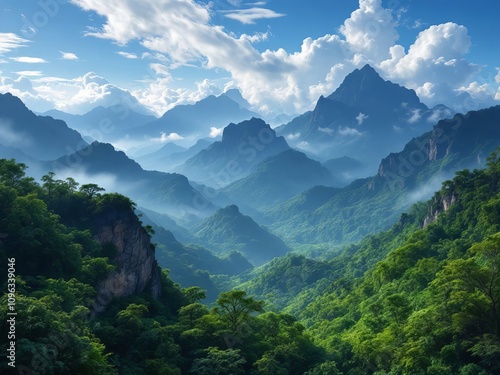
[(365, 118), (366, 89)]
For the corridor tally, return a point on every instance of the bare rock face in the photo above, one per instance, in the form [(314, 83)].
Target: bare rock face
[(439, 204), (136, 267)]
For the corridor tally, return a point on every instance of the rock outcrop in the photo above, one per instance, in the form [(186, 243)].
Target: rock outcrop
[(136, 267), (438, 205)]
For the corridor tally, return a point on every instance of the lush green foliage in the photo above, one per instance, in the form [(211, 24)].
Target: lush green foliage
[(49, 228), (413, 300), (421, 298)]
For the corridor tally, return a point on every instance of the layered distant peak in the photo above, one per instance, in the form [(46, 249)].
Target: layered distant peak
[(242, 147), (40, 137), (365, 89), (100, 158), (196, 120), (254, 127), (228, 230), (277, 179), (235, 96), (12, 103), (230, 210)]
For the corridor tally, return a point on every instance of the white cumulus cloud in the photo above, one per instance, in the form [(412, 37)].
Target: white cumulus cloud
[(164, 137), (128, 55), (215, 132), (281, 80), (184, 32)]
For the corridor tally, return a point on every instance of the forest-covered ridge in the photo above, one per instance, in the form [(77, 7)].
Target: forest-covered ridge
[(421, 298)]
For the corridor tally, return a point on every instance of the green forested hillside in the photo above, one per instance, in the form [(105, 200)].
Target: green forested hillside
[(422, 298), (369, 205), (49, 239)]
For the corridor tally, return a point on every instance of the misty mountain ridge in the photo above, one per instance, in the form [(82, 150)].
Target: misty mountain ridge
[(168, 193), (375, 203), (365, 118), (228, 230), (104, 124), (39, 137), (277, 179), (171, 155), (242, 147), (196, 120)]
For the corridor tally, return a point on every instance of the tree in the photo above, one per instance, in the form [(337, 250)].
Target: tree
[(91, 190), (188, 315), (235, 308), (48, 184), (219, 362), (13, 175), (194, 294)]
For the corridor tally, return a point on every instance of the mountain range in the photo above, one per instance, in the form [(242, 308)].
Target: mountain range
[(169, 193), (254, 168), (277, 179), (171, 155), (375, 203), (365, 118), (196, 120), (103, 124), (241, 148), (39, 137), (228, 230)]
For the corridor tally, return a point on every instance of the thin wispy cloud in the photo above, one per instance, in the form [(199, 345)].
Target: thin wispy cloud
[(249, 16), (29, 60), (29, 73), (127, 55), (11, 41), (68, 56)]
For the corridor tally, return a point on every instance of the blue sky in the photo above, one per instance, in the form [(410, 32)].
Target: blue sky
[(282, 54)]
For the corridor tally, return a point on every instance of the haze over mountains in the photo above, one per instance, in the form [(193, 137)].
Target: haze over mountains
[(365, 119), (242, 147), (212, 186)]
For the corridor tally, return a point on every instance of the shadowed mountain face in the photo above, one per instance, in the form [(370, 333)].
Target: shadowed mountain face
[(365, 118), (242, 147), (168, 193), (373, 204), (277, 179), (39, 137), (227, 230)]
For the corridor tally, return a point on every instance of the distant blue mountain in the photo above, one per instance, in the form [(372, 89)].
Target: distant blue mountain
[(171, 155), (228, 230), (277, 179), (104, 124), (242, 147), (365, 119), (39, 137), (196, 120), (168, 193)]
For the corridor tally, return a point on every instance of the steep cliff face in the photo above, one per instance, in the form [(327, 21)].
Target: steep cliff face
[(136, 267), (438, 205)]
